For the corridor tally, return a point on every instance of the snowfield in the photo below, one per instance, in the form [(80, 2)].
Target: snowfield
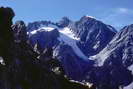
[(42, 29), (69, 38)]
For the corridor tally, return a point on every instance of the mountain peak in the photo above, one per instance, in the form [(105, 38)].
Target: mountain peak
[(87, 16), (64, 22)]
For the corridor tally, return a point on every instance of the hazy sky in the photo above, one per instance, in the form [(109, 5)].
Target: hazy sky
[(117, 13)]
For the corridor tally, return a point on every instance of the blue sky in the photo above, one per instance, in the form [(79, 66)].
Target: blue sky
[(117, 13)]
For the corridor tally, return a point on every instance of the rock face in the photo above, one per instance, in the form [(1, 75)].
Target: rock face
[(20, 67), (37, 24), (94, 35), (74, 67), (64, 22), (45, 38), (19, 30), (116, 57), (119, 50)]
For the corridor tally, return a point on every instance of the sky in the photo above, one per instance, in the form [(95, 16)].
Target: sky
[(117, 13)]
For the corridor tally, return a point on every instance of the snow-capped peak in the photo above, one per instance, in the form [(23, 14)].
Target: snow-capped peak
[(89, 16)]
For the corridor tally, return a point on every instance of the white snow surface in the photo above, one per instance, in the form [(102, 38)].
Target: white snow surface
[(69, 38), (42, 29), (96, 45), (131, 68), (130, 86), (90, 16), (66, 31)]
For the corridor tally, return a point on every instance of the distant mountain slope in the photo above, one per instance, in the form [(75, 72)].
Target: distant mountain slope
[(119, 53), (81, 38), (120, 48)]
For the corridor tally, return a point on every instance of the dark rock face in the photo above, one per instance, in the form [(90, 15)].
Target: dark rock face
[(109, 77), (74, 67), (6, 37), (64, 22), (45, 38), (22, 69), (19, 30), (94, 35)]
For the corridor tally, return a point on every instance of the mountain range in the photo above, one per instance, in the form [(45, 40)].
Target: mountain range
[(70, 54)]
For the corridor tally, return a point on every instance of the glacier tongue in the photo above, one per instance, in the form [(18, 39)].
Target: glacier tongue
[(69, 38)]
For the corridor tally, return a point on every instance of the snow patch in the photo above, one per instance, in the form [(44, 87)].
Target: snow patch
[(47, 29), (42, 29), (97, 45), (2, 61), (69, 38), (66, 31), (89, 16), (131, 68), (101, 57), (130, 86)]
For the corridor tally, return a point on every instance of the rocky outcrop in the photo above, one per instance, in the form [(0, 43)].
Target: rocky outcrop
[(64, 22), (19, 30), (6, 36)]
